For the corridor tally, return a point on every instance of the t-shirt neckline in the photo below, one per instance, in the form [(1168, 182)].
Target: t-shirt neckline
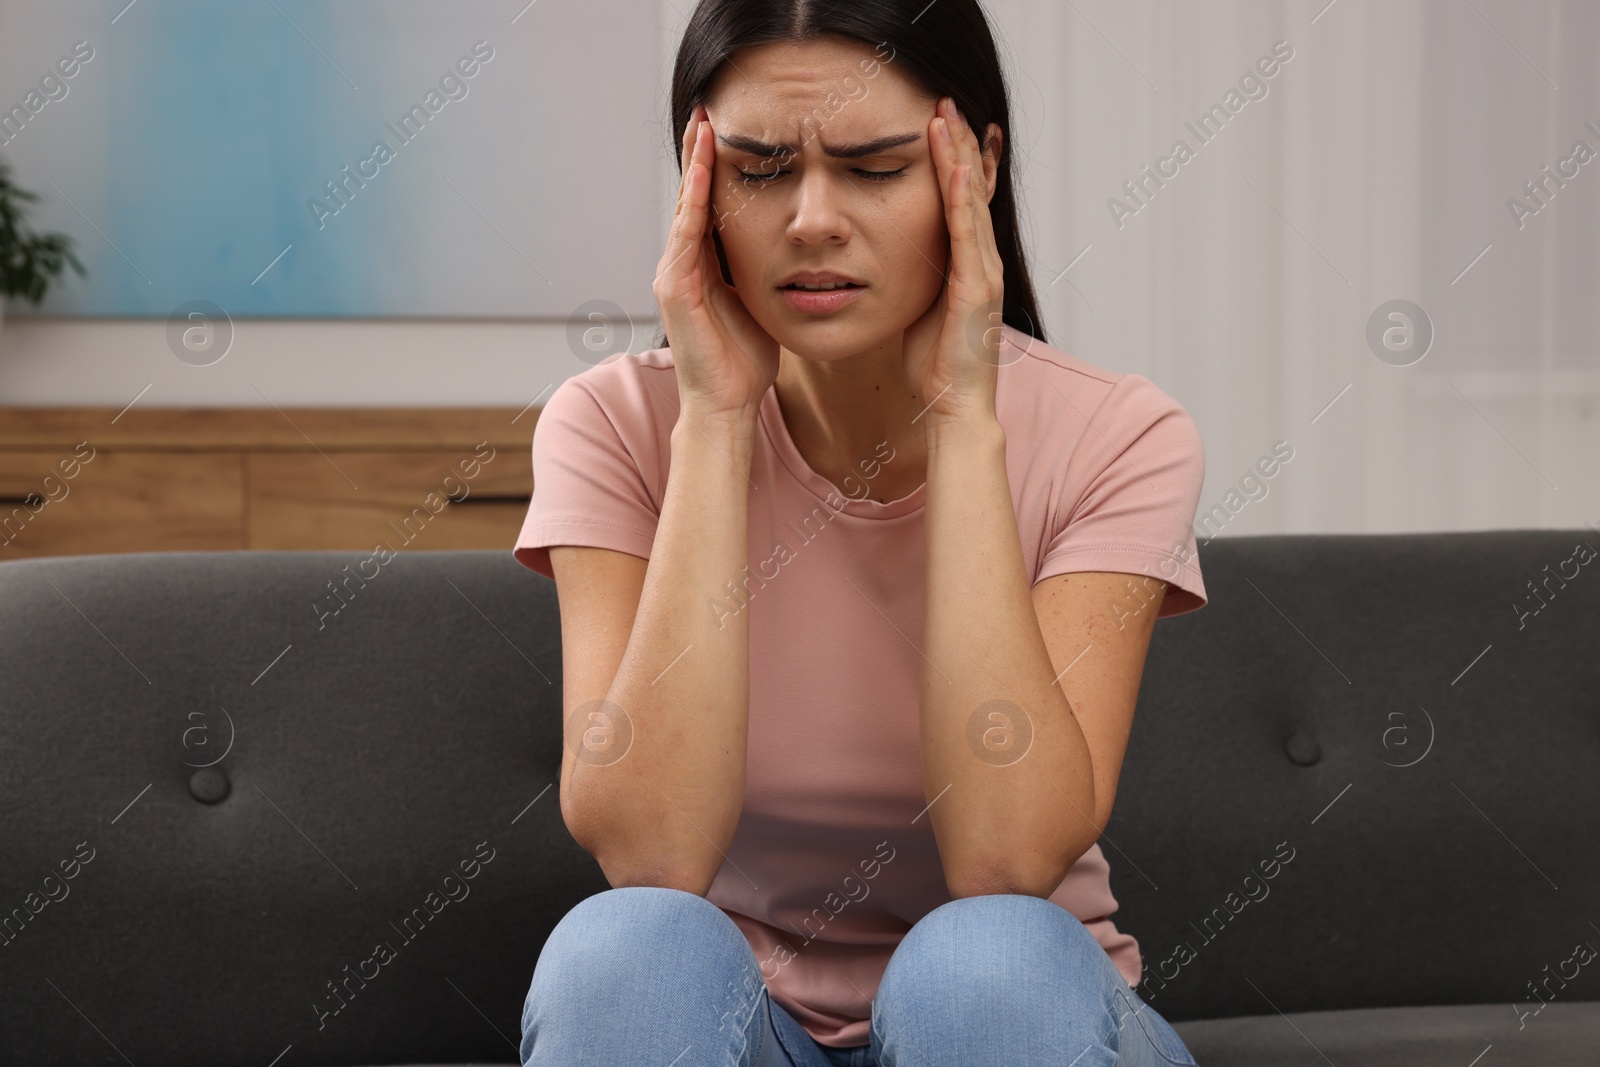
[(771, 416)]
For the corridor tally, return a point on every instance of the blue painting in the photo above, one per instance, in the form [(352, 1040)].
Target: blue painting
[(478, 158)]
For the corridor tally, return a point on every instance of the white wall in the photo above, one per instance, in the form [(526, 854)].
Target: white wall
[(325, 362)]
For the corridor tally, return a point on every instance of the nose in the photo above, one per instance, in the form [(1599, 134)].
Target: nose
[(819, 215)]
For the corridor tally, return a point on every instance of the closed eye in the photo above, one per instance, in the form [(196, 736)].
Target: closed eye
[(870, 175)]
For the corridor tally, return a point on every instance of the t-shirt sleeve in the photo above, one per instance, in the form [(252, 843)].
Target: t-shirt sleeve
[(1141, 462), (587, 485)]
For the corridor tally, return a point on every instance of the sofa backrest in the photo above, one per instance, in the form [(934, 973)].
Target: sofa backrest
[(1367, 774), (390, 855), (244, 815)]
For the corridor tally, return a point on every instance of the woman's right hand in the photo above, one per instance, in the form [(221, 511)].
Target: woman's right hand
[(725, 360)]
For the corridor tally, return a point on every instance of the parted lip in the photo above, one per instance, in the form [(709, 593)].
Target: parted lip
[(817, 277)]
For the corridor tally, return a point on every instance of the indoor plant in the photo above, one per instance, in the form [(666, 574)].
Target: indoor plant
[(29, 262)]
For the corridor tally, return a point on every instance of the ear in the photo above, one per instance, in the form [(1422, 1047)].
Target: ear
[(994, 142)]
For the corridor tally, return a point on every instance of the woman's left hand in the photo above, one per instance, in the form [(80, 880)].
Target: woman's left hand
[(952, 353)]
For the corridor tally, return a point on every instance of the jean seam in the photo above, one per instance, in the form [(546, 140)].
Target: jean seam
[(1137, 1014), (761, 1031), (762, 1003), (793, 1055)]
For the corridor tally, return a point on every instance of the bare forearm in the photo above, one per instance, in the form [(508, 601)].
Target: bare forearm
[(1002, 748), (668, 808)]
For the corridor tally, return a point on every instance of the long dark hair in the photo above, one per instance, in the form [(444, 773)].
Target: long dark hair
[(946, 46)]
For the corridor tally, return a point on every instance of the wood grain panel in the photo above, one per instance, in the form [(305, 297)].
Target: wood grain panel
[(266, 428), (170, 479), (51, 504), (356, 500)]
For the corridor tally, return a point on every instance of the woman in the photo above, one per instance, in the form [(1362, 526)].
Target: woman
[(845, 744)]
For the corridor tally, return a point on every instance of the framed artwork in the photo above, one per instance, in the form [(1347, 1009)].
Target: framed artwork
[(359, 158)]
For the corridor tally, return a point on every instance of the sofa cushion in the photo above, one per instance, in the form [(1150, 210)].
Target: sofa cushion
[(1560, 1035)]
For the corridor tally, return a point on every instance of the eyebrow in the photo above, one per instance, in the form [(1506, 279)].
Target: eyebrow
[(740, 143)]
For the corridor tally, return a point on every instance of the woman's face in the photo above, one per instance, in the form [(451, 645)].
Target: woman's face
[(781, 203)]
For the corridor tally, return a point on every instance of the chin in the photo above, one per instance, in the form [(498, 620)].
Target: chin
[(824, 343)]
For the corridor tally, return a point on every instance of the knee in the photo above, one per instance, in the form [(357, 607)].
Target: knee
[(637, 935), (637, 950), (984, 952), (1006, 975), (624, 929), (991, 927)]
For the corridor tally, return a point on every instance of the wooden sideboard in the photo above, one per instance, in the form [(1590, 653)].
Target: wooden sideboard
[(91, 480)]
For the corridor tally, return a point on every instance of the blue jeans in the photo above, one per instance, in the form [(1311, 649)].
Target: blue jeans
[(651, 977)]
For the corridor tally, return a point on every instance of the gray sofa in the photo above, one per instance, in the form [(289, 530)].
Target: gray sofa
[(1359, 821)]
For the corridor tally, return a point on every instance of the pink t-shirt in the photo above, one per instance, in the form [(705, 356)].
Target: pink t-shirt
[(834, 859)]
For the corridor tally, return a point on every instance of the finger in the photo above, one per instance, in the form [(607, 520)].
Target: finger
[(959, 216), (948, 155), (976, 226), (940, 142), (966, 253), (689, 225), (695, 198), (691, 137), (710, 263), (705, 156), (983, 220), (942, 137)]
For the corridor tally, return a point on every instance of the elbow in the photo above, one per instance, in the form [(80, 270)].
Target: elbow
[(1038, 873), (655, 873), (635, 841), (625, 863), (1002, 878)]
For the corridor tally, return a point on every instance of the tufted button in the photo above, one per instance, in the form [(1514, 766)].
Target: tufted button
[(208, 785), (1303, 748)]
